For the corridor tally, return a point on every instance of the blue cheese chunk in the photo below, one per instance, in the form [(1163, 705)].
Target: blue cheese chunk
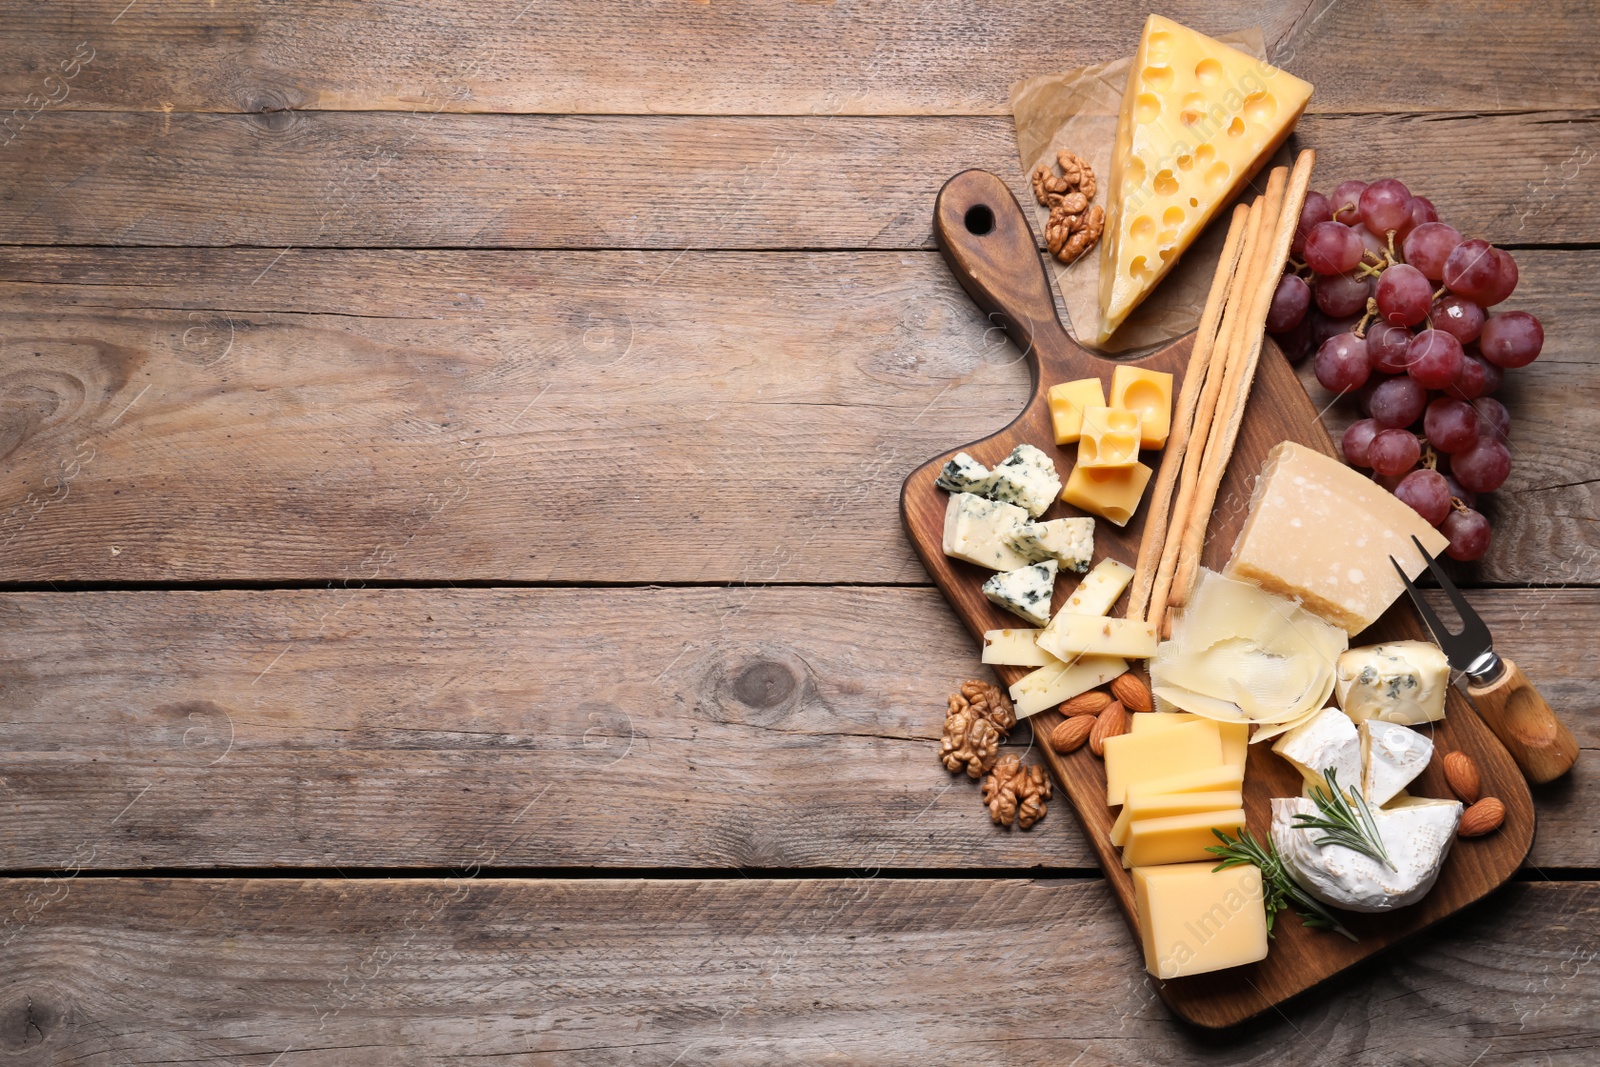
[(977, 530), (1025, 592), (963, 474), (1070, 542), (1026, 478), (1402, 682)]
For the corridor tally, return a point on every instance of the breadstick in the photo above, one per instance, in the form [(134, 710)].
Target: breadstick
[(1248, 351), (1201, 429), (1156, 527)]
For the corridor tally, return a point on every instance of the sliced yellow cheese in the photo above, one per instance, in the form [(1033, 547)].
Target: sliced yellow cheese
[(1198, 119), (1049, 686), (1207, 779), (1158, 720), (1110, 438), (1016, 648), (1067, 403), (1322, 534), (1178, 838), (1148, 392), (1069, 636), (1099, 589), (1161, 805), (1193, 920), (1111, 492), (1235, 735), (1136, 759)]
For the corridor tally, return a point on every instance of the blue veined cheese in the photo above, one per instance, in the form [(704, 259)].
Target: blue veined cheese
[(1402, 682), (1025, 591), (1027, 478), (976, 530), (963, 474), (1070, 542)]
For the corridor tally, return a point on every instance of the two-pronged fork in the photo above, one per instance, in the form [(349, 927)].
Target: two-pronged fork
[(1505, 699)]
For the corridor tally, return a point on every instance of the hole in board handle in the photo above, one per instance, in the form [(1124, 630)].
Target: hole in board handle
[(979, 220)]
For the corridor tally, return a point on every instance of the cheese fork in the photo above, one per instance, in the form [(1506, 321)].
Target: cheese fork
[(1542, 746)]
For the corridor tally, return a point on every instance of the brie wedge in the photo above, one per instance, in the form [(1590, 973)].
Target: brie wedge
[(1328, 740), (1392, 756), (1417, 832)]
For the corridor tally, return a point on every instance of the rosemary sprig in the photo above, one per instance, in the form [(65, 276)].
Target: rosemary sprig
[(1343, 822), (1280, 890)]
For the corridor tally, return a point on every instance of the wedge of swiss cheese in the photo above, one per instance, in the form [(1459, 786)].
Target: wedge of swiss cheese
[(1198, 119)]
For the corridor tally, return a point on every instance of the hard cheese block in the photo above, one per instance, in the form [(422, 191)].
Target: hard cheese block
[(1132, 759), (1193, 919), (1322, 533), (1110, 438), (1148, 392), (1235, 735), (1067, 403), (1163, 805), (1016, 648), (1111, 492), (1198, 119), (1177, 838)]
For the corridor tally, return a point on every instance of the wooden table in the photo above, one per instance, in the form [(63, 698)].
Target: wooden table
[(454, 606)]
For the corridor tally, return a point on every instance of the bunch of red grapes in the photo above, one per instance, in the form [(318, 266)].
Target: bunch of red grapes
[(1400, 322)]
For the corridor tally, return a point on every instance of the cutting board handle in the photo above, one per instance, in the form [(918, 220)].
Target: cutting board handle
[(985, 238), (1518, 714)]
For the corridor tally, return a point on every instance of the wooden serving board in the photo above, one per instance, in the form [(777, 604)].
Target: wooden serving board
[(987, 242)]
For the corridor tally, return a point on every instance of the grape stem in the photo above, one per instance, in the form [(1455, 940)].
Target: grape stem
[(1394, 257), (1372, 310), (1458, 504), (1430, 458), (1443, 289)]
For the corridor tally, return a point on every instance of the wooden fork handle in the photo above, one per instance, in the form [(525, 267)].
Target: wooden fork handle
[(1520, 717)]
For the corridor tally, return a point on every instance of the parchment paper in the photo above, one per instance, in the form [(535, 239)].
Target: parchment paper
[(1078, 110)]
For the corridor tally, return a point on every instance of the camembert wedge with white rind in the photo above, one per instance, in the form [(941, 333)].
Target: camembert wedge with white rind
[(1198, 119)]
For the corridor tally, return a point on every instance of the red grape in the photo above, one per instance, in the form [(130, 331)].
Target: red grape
[(1289, 303), (1473, 270), (1315, 209), (1458, 317), (1322, 327), (1466, 496), (1511, 339), (1451, 425), (1346, 201), (1492, 376), (1342, 363), (1393, 452), (1470, 381), (1374, 248), (1419, 209), (1398, 402), (1469, 535), (1494, 421), (1386, 347), (1383, 205), (1356, 440), (1391, 482), (1296, 342), (1435, 359), (1428, 248), (1403, 294), (1505, 280), (1482, 466), (1339, 295), (1332, 248), (1427, 493)]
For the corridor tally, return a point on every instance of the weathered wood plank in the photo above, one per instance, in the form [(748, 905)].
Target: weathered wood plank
[(419, 180), (741, 727), (766, 57), (866, 971), (198, 415)]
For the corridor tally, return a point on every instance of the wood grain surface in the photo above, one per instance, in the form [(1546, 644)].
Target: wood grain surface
[(237, 414), (838, 971), (765, 57), (337, 179), (435, 728)]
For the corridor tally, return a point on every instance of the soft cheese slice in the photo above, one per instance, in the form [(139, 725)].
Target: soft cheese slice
[(1071, 635), (1049, 686), (1070, 542), (1392, 757), (1417, 833), (1099, 589), (1025, 591), (1161, 805), (963, 474), (1026, 478), (1016, 648), (1402, 682), (1198, 120), (1322, 533), (1329, 741), (979, 530), (1194, 918)]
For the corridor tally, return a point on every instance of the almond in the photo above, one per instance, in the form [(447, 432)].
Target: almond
[(1132, 692), (1462, 774), (1482, 818), (1111, 722), (1090, 703), (1070, 734)]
